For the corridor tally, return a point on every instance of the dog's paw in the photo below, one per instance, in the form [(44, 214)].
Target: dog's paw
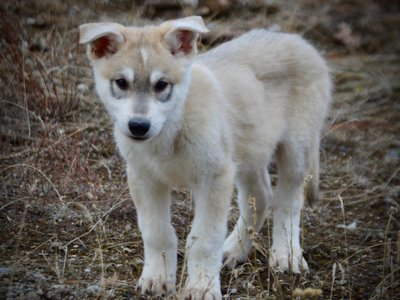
[(199, 294), (233, 258), (235, 251), (288, 263), (203, 289), (155, 286)]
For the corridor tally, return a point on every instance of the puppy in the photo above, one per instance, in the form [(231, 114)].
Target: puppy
[(208, 122)]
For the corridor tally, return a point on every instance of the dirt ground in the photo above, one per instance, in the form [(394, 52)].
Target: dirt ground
[(67, 224)]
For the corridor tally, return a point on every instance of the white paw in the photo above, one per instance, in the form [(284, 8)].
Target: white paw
[(156, 285), (203, 289), (287, 263), (235, 250)]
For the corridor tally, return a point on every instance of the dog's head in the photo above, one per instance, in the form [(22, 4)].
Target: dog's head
[(142, 74)]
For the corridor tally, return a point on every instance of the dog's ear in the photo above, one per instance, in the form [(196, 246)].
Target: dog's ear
[(181, 35), (103, 38)]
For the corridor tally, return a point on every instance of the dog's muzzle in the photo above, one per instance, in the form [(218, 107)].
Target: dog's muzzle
[(139, 127)]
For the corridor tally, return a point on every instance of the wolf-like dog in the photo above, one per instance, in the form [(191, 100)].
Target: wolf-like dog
[(209, 122)]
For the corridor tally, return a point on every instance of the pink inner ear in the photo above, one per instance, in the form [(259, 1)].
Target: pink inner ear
[(103, 46), (185, 38)]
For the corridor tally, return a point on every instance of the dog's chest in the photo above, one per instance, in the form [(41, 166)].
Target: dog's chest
[(181, 165), (179, 170)]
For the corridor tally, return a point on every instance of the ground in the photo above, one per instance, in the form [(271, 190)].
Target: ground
[(67, 224)]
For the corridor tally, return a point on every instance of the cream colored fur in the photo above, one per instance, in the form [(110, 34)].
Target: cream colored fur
[(219, 121)]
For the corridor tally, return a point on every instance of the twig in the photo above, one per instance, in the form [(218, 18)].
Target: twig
[(97, 223), (41, 173), (27, 151)]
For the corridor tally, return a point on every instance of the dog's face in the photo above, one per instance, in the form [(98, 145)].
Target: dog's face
[(142, 74)]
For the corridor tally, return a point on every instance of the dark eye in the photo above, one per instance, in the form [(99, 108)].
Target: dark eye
[(160, 86), (122, 84)]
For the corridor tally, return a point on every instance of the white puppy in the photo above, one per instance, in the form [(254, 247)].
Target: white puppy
[(207, 122)]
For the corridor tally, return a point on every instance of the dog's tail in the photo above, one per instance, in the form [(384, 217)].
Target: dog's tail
[(312, 181)]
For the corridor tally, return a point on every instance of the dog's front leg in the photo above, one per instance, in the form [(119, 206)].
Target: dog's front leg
[(152, 202), (205, 242)]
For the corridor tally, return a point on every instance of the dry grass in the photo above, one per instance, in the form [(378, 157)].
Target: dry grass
[(68, 227)]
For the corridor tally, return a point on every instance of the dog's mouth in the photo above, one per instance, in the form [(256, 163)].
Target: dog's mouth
[(139, 138)]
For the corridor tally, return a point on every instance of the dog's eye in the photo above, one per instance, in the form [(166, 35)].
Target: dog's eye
[(122, 84), (160, 86)]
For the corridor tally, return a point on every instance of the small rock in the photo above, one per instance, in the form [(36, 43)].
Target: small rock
[(392, 156), (93, 289), (341, 282), (30, 21), (83, 88), (39, 277), (54, 246), (39, 44), (58, 286), (4, 271), (351, 226), (126, 249), (128, 227)]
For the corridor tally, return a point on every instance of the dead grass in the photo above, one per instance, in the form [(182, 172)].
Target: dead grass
[(68, 227)]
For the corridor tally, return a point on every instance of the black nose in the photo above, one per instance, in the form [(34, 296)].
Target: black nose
[(139, 127)]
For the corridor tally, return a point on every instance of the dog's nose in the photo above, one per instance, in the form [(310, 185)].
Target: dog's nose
[(139, 127)]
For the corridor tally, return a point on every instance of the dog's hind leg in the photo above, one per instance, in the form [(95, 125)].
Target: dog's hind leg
[(293, 165), (254, 193)]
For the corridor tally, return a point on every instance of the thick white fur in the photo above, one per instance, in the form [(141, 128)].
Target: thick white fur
[(232, 108)]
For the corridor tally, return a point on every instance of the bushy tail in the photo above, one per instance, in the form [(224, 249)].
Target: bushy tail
[(312, 181)]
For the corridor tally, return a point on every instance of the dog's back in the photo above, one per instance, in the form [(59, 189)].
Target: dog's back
[(275, 59), (272, 55)]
